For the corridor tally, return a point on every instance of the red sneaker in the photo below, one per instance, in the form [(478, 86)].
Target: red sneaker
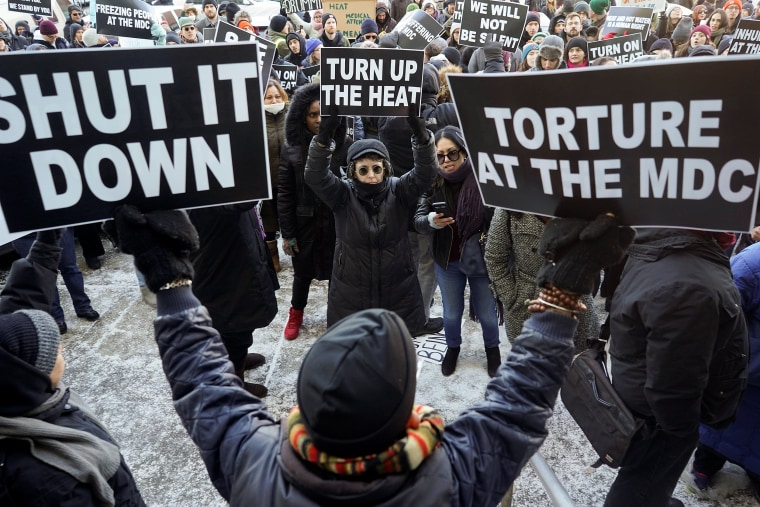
[(295, 319)]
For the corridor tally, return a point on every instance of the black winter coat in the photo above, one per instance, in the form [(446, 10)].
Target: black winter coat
[(303, 216), (373, 265), (234, 274)]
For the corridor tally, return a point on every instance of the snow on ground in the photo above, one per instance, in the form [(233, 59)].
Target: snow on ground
[(113, 363)]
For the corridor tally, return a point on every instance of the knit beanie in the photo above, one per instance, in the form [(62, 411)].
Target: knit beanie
[(172, 36), (578, 42), (389, 40), (357, 383), (582, 6), (311, 45), (725, 43), (230, 10), (749, 6), (567, 7), (539, 35), (327, 16), (532, 16), (212, 2), (455, 26), (90, 37), (412, 7), (73, 7), (369, 26), (452, 55), (682, 30), (703, 50), (73, 29), (277, 23), (32, 336), (662, 43), (702, 28), (599, 6), (732, 2), (527, 48), (47, 27)]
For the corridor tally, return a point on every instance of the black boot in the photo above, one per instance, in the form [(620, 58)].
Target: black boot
[(449, 363), (493, 356), (257, 390)]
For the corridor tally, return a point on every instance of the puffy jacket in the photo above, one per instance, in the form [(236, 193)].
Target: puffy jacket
[(250, 461), (679, 341), (373, 265)]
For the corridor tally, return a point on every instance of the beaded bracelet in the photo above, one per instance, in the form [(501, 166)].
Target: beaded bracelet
[(551, 297)]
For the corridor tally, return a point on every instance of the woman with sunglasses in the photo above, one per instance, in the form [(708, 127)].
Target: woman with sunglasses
[(459, 223), (373, 264)]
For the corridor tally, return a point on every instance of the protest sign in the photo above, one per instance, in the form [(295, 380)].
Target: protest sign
[(457, 17), (652, 155), (746, 38), (39, 7), (291, 6), (172, 19), (623, 49), (655, 5), (124, 18), (287, 75), (310, 72), (489, 20), (370, 82), (156, 132), (417, 29), (627, 21), (225, 32), (350, 15), (209, 34), (431, 348)]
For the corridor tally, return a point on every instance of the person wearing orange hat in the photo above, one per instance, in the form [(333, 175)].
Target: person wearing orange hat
[(733, 10)]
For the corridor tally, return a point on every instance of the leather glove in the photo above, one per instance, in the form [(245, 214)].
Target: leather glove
[(161, 242), (417, 125), (492, 51), (290, 246), (576, 250), (327, 127)]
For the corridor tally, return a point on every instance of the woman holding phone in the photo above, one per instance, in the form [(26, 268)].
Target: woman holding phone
[(453, 212)]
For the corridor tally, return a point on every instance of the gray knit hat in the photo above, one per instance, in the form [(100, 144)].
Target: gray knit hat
[(32, 336), (682, 30)]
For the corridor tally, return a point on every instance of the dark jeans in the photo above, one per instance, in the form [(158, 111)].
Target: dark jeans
[(237, 345), (650, 470), (300, 292), (72, 277)]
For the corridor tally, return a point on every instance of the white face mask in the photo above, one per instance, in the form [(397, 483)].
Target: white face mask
[(274, 108)]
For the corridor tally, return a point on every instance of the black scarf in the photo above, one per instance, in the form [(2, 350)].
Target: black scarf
[(470, 212)]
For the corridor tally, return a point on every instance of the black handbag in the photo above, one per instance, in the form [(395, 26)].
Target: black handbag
[(597, 408), (472, 262)]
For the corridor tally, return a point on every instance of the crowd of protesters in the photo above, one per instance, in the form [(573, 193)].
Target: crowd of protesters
[(386, 214)]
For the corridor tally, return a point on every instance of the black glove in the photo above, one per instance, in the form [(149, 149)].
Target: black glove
[(46, 250), (417, 125), (161, 242), (492, 51), (576, 251), (327, 127), (50, 237)]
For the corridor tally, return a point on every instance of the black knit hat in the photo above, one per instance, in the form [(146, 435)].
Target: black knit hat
[(453, 134), (203, 5), (32, 336), (365, 147), (278, 22), (357, 383)]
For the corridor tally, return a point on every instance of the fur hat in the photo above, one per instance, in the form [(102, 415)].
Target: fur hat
[(599, 6), (311, 45), (682, 30), (369, 26), (703, 50), (277, 23), (32, 336), (363, 405), (702, 28), (47, 27), (582, 6), (90, 37), (551, 48), (662, 43)]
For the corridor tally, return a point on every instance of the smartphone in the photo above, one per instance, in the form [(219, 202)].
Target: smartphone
[(440, 207)]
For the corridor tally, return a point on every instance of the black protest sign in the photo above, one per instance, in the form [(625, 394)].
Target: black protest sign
[(457, 17), (39, 7), (124, 18), (488, 20), (156, 132), (623, 49), (209, 34), (627, 21), (291, 6), (417, 29), (746, 38), (287, 75), (370, 82), (310, 72), (652, 155), (225, 32)]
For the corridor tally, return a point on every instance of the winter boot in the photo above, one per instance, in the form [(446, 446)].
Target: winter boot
[(295, 319), (275, 252), (253, 360), (257, 390), (449, 363), (493, 356)]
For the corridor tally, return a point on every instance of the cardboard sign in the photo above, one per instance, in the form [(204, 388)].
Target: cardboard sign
[(350, 15), (287, 75), (746, 38), (370, 82), (623, 49), (172, 19), (156, 132), (652, 155), (292, 6), (655, 5), (489, 20), (431, 348), (417, 29), (124, 18), (311, 72), (627, 21), (40, 7)]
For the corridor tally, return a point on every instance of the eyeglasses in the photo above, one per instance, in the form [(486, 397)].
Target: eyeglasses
[(76, 14), (453, 156), (363, 171), (370, 37), (188, 28)]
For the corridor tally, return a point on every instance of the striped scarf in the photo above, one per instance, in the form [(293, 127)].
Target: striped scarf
[(404, 455)]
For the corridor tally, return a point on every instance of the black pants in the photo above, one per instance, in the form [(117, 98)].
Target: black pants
[(300, 292), (650, 470), (237, 345), (89, 239)]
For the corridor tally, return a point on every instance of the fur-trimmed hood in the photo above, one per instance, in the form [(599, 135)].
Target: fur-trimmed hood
[(295, 130)]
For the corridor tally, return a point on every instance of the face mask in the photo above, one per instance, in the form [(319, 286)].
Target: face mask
[(274, 108)]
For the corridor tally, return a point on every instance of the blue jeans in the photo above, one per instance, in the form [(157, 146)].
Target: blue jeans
[(70, 272), (452, 283)]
